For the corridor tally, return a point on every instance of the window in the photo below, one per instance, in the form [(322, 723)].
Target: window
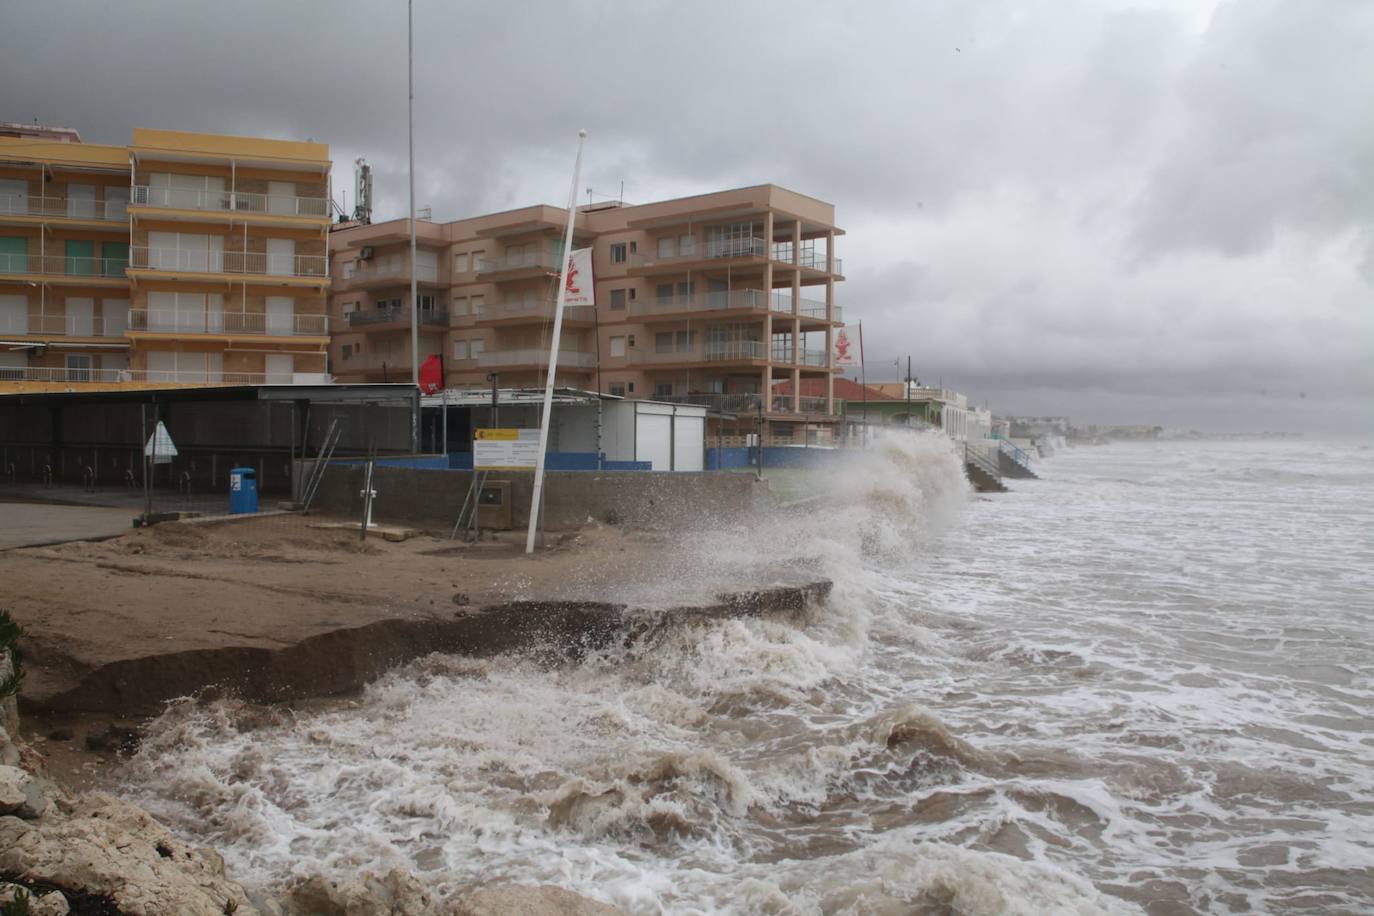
[(667, 248), (617, 346), (476, 348), (631, 386), (617, 299), (686, 340), (663, 390), (281, 257), (618, 253), (634, 247), (177, 311), (426, 303), (347, 351), (460, 305), (685, 291), (78, 368), (663, 342), (477, 258), (460, 263), (618, 389), (632, 293), (349, 308), (663, 293), (479, 306), (460, 349), (631, 344)]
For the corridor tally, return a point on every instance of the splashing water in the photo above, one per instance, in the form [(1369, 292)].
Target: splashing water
[(1143, 681)]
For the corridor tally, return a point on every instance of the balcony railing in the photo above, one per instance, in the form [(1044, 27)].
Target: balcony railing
[(56, 265), (725, 403), (362, 317), (153, 376), (256, 263), (785, 353), (62, 207), (782, 403), (185, 321), (814, 358), (812, 260), (519, 261), (538, 309), (709, 250), (61, 326), (229, 201), (566, 358), (390, 268)]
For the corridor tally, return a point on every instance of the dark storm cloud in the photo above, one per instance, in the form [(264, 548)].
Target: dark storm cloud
[(1157, 201)]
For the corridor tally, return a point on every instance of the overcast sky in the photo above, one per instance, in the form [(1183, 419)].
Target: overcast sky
[(1154, 212)]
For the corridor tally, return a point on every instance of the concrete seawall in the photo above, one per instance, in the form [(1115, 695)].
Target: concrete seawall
[(642, 499)]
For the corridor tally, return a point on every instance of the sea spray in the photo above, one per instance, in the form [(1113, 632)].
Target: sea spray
[(1075, 697)]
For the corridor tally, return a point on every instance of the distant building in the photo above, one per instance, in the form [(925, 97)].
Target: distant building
[(180, 259), (708, 300)]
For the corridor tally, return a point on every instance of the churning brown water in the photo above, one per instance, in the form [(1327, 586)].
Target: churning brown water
[(1143, 683)]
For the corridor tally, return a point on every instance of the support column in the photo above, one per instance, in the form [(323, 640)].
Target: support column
[(767, 389), (796, 314)]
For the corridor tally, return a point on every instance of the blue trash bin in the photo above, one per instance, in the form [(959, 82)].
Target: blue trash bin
[(243, 491)]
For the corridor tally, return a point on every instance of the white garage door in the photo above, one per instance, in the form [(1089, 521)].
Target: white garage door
[(652, 440), (687, 443)]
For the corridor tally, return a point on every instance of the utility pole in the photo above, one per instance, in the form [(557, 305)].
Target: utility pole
[(495, 417), (414, 300)]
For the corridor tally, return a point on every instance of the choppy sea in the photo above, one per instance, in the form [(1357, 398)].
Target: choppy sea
[(1144, 682)]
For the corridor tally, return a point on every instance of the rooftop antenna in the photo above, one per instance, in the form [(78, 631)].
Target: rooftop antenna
[(362, 191)]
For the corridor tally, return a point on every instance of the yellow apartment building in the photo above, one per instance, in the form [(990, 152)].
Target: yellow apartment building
[(180, 259), (712, 299)]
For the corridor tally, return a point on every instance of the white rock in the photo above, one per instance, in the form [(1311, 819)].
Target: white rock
[(519, 900), (20, 794), (100, 845), (50, 904), (397, 893)]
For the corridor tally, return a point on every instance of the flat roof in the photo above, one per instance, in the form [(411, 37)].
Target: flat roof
[(338, 394)]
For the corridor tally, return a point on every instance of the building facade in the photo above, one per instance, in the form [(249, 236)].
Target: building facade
[(180, 259), (707, 300)]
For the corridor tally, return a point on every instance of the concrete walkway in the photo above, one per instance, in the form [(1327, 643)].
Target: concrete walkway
[(32, 524)]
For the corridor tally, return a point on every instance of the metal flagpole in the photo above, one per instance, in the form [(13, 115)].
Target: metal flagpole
[(553, 348), (414, 299), (863, 382)]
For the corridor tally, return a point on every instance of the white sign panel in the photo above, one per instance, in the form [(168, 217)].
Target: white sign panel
[(505, 449), (160, 446), (581, 285), (844, 350)]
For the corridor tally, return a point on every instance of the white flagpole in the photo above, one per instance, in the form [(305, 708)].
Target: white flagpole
[(553, 347)]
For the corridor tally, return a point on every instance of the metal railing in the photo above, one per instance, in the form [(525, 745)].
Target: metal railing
[(56, 265), (1014, 452), (229, 201), (726, 403), (185, 321), (734, 349), (806, 257), (814, 358), (154, 376), (982, 454), (518, 260), (62, 207), (390, 268), (566, 358), (61, 325), (709, 250), (261, 263), (362, 317), (539, 308), (716, 301)]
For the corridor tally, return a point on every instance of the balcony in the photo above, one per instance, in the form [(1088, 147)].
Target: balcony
[(782, 403), (520, 265), (399, 315), (536, 312), (239, 202), (59, 374), (256, 264), (60, 326), (713, 250), (806, 258), (391, 270), (710, 352), (724, 403), (91, 271), (567, 359), (738, 300), (80, 209), (257, 324)]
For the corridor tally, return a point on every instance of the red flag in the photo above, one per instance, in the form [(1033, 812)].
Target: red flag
[(431, 375)]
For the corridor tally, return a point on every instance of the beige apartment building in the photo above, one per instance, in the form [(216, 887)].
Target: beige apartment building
[(180, 259), (712, 299)]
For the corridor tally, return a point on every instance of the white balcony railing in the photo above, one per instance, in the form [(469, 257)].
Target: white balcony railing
[(182, 260), (62, 207), (56, 265), (230, 201), (187, 321), (783, 253), (566, 358), (152, 376), (813, 358), (518, 260), (695, 250), (390, 268), (61, 325), (539, 309)]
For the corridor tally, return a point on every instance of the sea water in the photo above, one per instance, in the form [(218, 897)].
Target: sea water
[(1141, 683)]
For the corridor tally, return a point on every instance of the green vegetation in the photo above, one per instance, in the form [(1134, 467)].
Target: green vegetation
[(9, 641), (18, 905)]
